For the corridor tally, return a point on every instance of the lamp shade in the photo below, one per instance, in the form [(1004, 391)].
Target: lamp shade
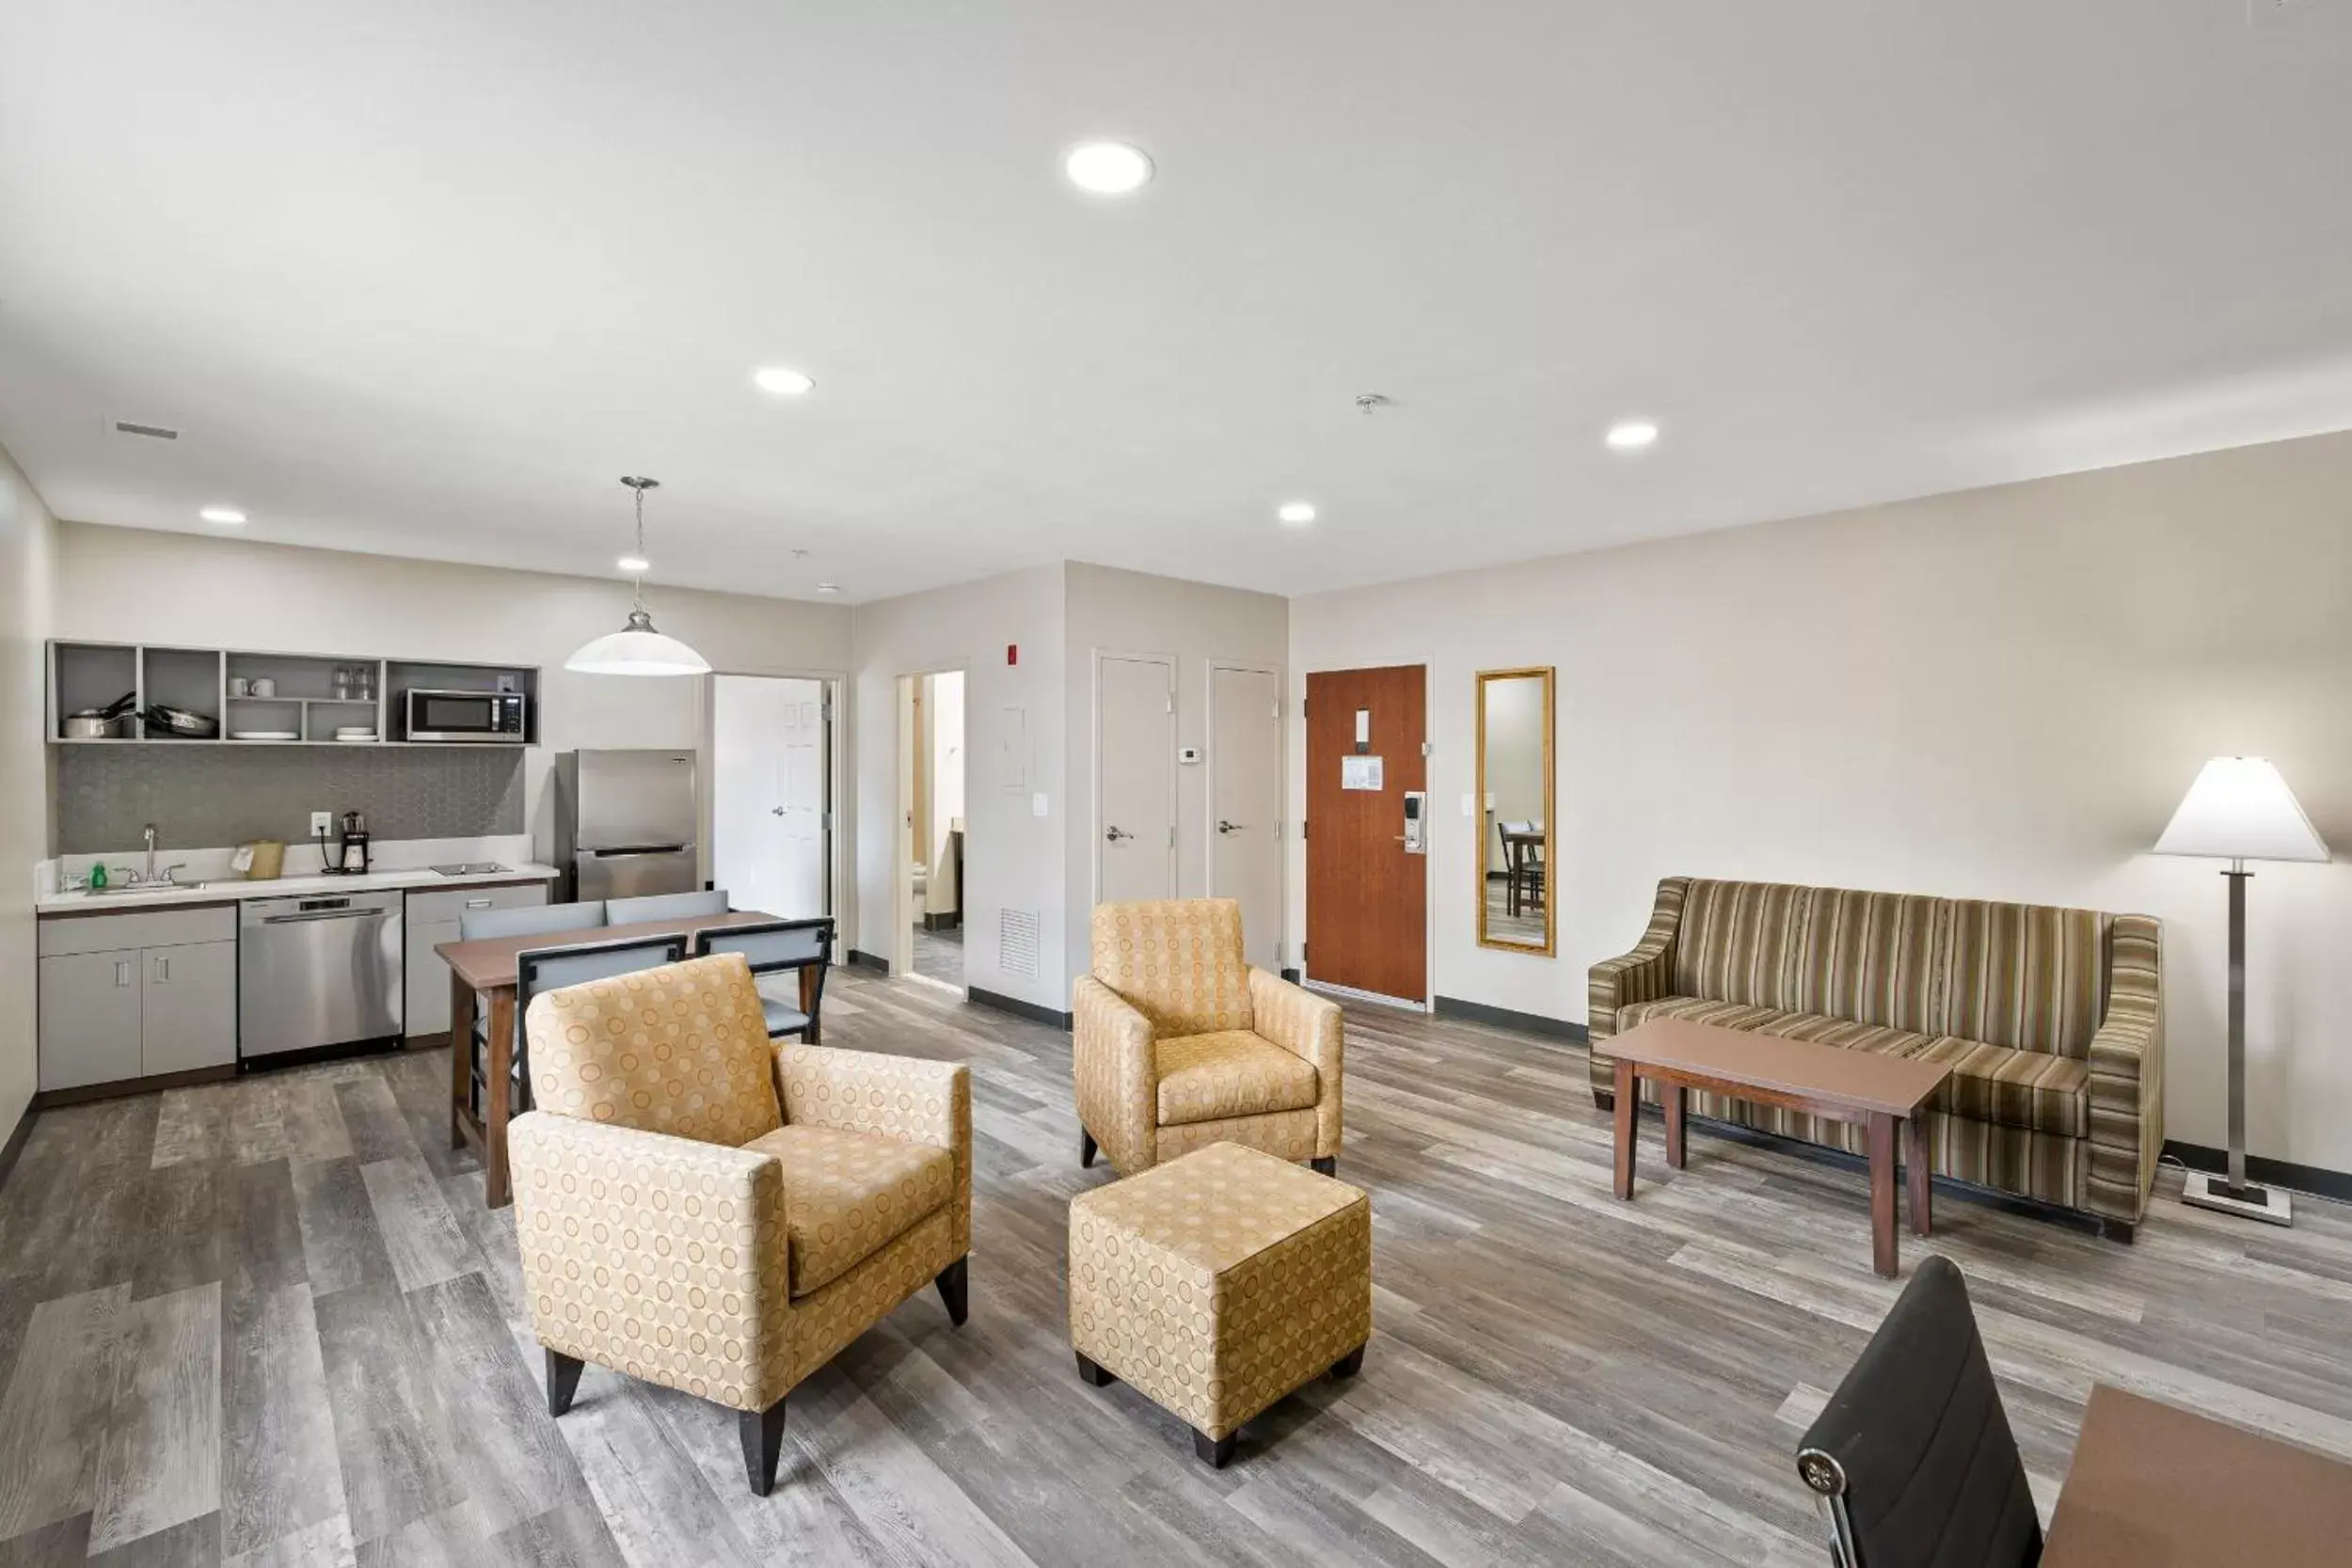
[(637, 649), (2240, 809)]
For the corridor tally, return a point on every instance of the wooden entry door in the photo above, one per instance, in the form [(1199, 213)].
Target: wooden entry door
[(1367, 894)]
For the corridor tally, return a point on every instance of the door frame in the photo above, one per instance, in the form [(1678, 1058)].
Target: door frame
[(1282, 804), (1431, 772), (901, 955), (1167, 662), (840, 852)]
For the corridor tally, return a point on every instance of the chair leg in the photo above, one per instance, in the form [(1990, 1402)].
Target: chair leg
[(1214, 1452), (955, 1288), (762, 1432), (562, 1380), (1604, 1100), (1328, 1165), (1093, 1373), (1086, 1149), (1349, 1365)]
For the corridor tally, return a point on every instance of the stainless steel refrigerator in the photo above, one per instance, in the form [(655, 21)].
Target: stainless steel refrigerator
[(624, 822)]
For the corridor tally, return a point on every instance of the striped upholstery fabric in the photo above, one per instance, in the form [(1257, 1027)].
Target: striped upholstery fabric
[(2029, 978), (2052, 1018), (2012, 1088), (1870, 956)]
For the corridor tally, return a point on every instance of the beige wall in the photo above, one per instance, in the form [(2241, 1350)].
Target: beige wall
[(1013, 857), (1195, 624), (27, 541), (133, 585), (2001, 693)]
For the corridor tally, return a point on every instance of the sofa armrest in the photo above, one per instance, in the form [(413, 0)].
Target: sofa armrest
[(631, 1242), (907, 1098), (1643, 974), (1114, 1056), (1307, 1026), (2126, 1090)]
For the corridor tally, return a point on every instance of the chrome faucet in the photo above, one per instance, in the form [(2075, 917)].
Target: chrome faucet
[(151, 877)]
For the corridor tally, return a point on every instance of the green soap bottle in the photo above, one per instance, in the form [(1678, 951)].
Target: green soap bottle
[(98, 877)]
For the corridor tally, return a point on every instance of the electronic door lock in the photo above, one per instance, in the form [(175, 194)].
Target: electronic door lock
[(1417, 822)]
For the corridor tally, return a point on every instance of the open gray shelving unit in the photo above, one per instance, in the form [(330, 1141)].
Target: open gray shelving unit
[(303, 705)]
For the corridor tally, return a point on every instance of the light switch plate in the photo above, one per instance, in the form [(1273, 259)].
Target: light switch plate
[(1037, 805)]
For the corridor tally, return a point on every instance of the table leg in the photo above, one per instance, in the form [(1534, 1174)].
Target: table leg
[(808, 1002), (1884, 1256), (494, 1098), (1915, 1171), (1628, 1106), (1671, 1097), (460, 1059)]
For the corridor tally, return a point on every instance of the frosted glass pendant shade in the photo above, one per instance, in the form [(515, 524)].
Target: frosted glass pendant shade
[(2240, 809), (637, 649)]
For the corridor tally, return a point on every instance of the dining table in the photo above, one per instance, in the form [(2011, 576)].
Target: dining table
[(2156, 1486), (481, 976)]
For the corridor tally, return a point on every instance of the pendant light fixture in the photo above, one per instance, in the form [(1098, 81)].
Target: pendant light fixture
[(637, 648)]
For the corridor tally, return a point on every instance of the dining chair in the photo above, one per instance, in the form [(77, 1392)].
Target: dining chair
[(546, 969), (1912, 1461), (780, 948), (665, 906), (529, 920)]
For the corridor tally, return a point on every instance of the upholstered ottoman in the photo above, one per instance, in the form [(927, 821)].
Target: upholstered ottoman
[(1217, 1283)]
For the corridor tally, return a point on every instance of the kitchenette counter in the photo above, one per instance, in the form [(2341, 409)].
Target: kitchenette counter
[(230, 890)]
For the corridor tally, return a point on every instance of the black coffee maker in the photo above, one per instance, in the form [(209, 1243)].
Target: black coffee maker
[(351, 853)]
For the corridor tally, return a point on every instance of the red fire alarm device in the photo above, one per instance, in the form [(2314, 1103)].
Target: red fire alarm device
[(1012, 653)]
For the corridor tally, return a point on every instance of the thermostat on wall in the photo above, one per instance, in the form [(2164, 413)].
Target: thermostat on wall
[(1189, 754)]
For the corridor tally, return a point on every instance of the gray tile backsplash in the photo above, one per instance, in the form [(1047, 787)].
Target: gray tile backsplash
[(203, 796)]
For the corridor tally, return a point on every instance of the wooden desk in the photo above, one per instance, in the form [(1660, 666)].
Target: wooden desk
[(486, 966), (1820, 1079), (2155, 1486)]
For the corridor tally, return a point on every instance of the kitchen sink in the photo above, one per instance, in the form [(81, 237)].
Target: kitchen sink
[(135, 890)]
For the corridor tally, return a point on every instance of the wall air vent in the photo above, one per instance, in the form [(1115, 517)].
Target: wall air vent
[(1017, 941), (152, 431)]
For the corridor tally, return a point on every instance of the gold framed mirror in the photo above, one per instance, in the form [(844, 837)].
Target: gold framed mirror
[(1515, 810)]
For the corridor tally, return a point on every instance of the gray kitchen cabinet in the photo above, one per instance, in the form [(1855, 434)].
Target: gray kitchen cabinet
[(89, 1019), (188, 1008), (433, 918), (127, 996)]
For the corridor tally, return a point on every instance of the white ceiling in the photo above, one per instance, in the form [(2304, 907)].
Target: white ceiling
[(425, 283)]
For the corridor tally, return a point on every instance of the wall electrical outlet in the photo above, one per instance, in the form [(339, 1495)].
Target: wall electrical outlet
[(322, 823)]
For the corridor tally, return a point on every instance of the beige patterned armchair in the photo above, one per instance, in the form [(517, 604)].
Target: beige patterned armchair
[(1178, 1043), (703, 1209)]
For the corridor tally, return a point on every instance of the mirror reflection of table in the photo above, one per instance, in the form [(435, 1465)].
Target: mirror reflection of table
[(1523, 867)]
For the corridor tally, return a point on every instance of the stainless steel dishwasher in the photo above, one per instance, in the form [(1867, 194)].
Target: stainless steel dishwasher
[(318, 971)]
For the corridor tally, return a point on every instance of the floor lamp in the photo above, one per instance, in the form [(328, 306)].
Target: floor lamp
[(2239, 809)]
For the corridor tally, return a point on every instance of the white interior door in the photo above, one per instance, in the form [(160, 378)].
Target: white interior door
[(770, 746), (1135, 793), (1245, 802)]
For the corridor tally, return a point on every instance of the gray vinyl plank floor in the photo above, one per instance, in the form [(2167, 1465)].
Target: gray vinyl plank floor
[(270, 1323)]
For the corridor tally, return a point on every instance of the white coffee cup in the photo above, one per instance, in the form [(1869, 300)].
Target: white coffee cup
[(264, 686)]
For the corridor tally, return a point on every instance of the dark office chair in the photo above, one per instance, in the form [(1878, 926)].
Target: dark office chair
[(1912, 1461), (779, 947), (543, 969)]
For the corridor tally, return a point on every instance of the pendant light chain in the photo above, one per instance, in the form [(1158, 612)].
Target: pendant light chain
[(639, 573)]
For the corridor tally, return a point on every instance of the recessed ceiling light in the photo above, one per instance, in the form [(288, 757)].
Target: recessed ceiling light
[(634, 564), (1107, 168), (829, 587), (228, 515), (783, 380), (1632, 434), (1296, 512)]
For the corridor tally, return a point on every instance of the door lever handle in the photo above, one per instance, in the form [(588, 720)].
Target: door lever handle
[(1114, 834), (1225, 827)]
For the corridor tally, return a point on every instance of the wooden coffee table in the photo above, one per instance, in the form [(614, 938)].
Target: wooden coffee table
[(1799, 1075)]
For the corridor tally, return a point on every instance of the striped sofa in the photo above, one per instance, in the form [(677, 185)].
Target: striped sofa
[(2053, 1020)]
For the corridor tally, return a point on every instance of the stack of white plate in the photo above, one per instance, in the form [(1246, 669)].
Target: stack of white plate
[(354, 732), (263, 734)]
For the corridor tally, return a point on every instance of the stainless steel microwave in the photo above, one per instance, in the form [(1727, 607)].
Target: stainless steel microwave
[(465, 716)]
